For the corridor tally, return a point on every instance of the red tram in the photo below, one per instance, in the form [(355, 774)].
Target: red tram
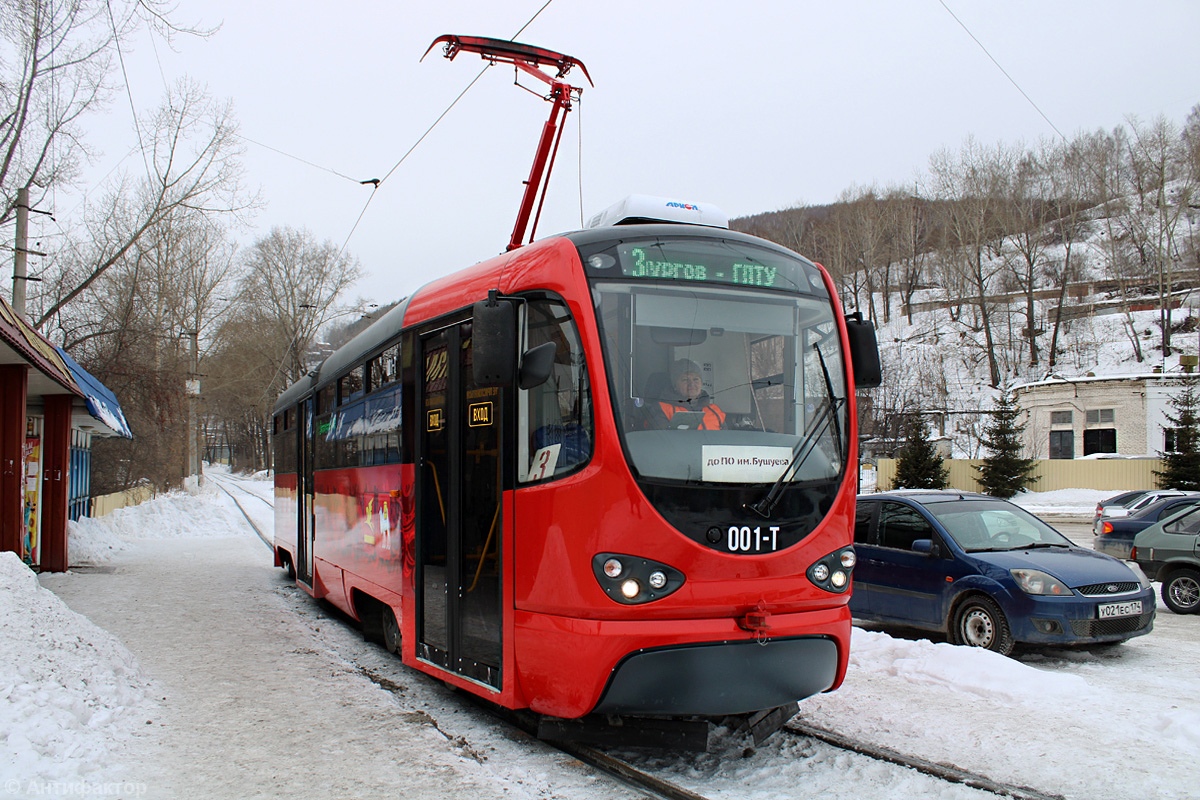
[(611, 473), (486, 478)]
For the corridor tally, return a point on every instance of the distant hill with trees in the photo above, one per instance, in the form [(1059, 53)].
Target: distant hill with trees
[(1010, 262)]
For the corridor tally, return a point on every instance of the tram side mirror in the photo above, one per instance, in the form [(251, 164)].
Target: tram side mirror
[(536, 365), (494, 342), (864, 351)]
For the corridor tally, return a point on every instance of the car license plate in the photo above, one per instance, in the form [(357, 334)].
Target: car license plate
[(1110, 610)]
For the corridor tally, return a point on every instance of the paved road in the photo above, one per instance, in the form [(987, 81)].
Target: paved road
[(1076, 529)]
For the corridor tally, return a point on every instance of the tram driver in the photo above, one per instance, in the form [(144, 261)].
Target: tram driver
[(685, 404)]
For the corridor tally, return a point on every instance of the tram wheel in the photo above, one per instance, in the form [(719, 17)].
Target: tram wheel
[(391, 629)]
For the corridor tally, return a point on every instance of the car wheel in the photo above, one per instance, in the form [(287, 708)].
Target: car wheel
[(1181, 592), (391, 630), (979, 622)]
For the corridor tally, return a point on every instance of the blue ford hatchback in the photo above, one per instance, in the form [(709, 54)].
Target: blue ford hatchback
[(989, 574)]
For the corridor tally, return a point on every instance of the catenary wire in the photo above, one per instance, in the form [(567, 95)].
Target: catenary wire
[(1003, 71)]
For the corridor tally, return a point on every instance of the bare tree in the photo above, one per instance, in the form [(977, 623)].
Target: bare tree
[(971, 186), (55, 60), (192, 156), (289, 291), (1166, 182), (1068, 184), (149, 317)]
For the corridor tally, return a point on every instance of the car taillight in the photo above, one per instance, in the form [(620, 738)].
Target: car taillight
[(1133, 554), (1107, 527)]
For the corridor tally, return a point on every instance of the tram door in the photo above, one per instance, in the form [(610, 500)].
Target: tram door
[(305, 527), (458, 511)]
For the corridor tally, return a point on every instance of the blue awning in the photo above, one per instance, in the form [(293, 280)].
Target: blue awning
[(101, 402)]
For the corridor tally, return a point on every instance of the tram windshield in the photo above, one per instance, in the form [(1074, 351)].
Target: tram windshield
[(717, 382)]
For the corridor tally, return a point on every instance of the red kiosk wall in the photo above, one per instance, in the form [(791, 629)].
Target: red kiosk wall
[(14, 383), (56, 458)]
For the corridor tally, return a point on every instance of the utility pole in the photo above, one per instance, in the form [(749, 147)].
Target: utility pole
[(20, 252), (193, 394)]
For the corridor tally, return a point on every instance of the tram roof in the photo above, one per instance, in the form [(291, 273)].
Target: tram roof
[(386, 327), (642, 230)]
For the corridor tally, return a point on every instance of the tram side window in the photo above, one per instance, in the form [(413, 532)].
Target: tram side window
[(556, 417), (383, 369), (350, 386), (325, 448), (284, 443), (326, 398)]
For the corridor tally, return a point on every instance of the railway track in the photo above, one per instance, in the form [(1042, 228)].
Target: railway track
[(223, 484), (631, 775)]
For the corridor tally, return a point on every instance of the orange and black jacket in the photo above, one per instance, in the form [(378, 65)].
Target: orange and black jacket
[(714, 417)]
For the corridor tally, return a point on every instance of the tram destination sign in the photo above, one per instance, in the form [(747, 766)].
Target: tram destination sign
[(707, 261)]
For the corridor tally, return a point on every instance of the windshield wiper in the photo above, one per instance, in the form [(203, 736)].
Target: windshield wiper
[(766, 505), (800, 454)]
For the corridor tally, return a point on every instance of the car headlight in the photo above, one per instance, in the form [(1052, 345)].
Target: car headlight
[(1034, 581), (1141, 575)]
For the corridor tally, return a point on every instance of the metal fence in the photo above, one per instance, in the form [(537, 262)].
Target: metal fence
[(1109, 474)]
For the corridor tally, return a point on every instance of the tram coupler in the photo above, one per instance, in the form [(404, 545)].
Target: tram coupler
[(616, 731), (762, 724)]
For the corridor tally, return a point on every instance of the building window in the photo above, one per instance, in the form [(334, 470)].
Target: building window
[(1169, 440), (1100, 416), (1099, 440), (1062, 444), (1060, 418)]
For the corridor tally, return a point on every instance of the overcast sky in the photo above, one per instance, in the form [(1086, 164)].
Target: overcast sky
[(750, 106)]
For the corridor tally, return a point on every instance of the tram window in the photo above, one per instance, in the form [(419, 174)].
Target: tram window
[(556, 417), (325, 399), (382, 369), (350, 386)]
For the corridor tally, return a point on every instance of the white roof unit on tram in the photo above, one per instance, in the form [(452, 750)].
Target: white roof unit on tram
[(647, 208)]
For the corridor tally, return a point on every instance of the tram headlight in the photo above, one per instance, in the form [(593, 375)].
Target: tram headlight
[(631, 580), (832, 572)]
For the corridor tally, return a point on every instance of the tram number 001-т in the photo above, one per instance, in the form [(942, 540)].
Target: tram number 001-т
[(744, 539)]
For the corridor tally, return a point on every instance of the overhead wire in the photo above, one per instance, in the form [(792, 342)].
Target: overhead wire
[(377, 182), (128, 91), (1003, 71)]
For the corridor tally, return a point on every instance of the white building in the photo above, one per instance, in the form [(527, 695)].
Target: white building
[(1116, 414)]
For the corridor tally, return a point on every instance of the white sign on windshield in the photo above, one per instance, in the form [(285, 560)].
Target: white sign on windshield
[(743, 463)]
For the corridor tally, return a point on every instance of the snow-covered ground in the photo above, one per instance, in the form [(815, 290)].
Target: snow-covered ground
[(193, 668)]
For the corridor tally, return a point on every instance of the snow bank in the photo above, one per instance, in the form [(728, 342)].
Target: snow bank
[(963, 670), (1073, 502), (67, 688), (176, 514)]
